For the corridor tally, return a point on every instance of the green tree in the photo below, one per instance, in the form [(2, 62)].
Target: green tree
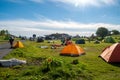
[(115, 32), (2, 32), (5, 34), (102, 32)]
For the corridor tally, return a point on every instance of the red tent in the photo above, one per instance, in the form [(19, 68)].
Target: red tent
[(111, 53)]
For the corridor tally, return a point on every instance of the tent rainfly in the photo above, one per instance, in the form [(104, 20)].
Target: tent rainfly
[(72, 50), (111, 53), (109, 39), (18, 44)]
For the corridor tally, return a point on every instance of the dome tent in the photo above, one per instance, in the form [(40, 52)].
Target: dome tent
[(109, 39), (96, 42), (18, 44), (80, 41), (111, 53), (40, 39), (72, 50)]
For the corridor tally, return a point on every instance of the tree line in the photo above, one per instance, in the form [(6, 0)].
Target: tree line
[(102, 32), (4, 32)]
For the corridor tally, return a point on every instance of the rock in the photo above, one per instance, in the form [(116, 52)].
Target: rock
[(11, 62)]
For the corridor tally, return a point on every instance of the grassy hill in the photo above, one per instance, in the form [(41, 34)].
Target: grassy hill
[(47, 64)]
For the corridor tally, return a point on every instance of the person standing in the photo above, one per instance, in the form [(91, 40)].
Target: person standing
[(11, 40)]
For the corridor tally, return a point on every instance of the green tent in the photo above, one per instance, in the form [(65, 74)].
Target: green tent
[(80, 41), (109, 39)]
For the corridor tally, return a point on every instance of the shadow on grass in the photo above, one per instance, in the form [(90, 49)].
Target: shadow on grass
[(115, 64)]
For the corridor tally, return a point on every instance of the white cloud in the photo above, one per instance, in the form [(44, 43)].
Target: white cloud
[(52, 26), (75, 3), (108, 1), (85, 3)]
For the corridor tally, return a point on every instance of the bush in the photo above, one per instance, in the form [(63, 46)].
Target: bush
[(56, 69), (50, 64), (18, 53), (75, 61)]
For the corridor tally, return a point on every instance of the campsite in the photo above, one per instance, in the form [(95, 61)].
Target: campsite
[(59, 39), (48, 64)]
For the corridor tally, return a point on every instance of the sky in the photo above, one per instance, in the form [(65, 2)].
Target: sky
[(74, 17)]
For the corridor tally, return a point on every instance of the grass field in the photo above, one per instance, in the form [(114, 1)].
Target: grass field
[(47, 64), (2, 39)]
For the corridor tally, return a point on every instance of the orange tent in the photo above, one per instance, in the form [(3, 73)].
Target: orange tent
[(72, 50), (18, 44), (111, 53)]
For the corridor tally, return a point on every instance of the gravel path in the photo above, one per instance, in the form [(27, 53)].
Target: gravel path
[(4, 49)]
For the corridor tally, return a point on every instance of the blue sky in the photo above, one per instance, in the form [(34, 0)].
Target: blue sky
[(41, 17)]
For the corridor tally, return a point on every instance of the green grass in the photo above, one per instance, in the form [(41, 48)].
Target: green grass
[(2, 39), (47, 64), (116, 37)]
